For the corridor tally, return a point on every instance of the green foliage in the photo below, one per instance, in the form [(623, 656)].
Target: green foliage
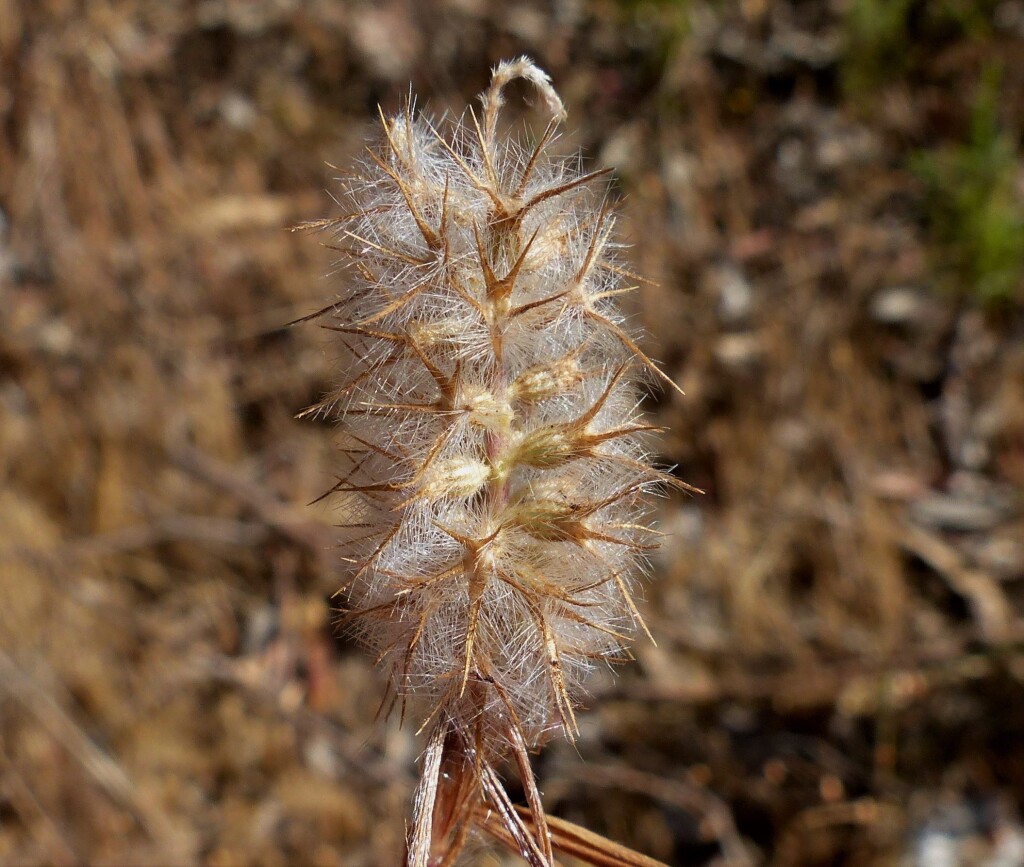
[(971, 18), (670, 18), (658, 29), (974, 212), (877, 37), (887, 39)]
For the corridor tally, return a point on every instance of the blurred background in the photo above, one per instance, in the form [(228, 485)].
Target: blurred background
[(829, 196)]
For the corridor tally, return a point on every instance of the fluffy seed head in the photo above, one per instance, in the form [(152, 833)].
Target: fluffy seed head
[(493, 448)]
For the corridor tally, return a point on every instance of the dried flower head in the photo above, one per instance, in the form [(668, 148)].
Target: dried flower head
[(495, 464)]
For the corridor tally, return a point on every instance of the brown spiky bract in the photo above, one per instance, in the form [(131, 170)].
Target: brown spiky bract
[(495, 474)]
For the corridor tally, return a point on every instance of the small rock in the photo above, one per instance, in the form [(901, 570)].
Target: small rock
[(735, 296), (738, 350), (901, 305), (947, 512)]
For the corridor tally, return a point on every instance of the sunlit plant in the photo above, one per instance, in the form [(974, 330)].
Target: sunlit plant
[(495, 476)]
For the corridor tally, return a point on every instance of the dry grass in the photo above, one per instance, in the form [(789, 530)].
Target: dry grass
[(839, 620)]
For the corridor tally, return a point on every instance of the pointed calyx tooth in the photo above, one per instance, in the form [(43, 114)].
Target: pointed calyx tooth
[(552, 445)]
